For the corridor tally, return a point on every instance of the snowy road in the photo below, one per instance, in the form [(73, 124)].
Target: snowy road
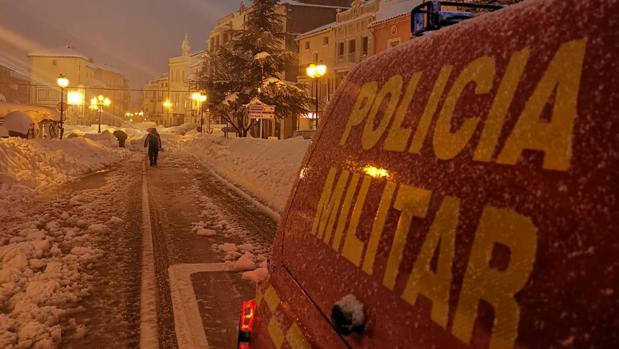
[(199, 220), (82, 243)]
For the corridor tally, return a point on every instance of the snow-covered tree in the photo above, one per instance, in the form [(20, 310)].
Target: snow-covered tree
[(248, 69)]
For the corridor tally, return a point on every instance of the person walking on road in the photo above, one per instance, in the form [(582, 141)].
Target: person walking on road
[(153, 142)]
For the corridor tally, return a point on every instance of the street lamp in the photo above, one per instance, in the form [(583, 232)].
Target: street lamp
[(167, 104), (315, 72), (200, 97), (63, 83), (98, 103)]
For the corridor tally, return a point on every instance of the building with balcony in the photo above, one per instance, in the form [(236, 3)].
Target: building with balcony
[(86, 77), (353, 39)]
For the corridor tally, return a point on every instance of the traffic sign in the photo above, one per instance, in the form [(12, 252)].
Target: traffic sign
[(261, 111)]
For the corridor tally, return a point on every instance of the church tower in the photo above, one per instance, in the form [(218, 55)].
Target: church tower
[(185, 46)]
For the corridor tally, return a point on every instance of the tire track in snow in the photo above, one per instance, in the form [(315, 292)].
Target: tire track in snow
[(149, 337)]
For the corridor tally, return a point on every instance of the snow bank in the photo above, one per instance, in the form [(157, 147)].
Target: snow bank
[(29, 166), (40, 163), (264, 167), (135, 135)]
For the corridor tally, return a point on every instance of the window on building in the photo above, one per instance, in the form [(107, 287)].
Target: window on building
[(226, 37), (315, 57), (325, 41), (307, 45), (340, 49), (365, 44), (211, 44), (352, 46)]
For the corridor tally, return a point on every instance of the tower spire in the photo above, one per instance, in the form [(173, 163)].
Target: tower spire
[(185, 46)]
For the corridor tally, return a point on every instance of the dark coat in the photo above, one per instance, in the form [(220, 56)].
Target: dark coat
[(150, 145)]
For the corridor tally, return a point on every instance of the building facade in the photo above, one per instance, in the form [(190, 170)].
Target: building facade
[(175, 89), (154, 93), (86, 79), (392, 25), (298, 16), (317, 47), (353, 39), (14, 87)]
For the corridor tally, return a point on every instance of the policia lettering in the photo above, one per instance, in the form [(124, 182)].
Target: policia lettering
[(343, 197), (561, 80), (348, 191)]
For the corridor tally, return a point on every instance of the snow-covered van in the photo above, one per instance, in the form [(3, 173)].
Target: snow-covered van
[(462, 192)]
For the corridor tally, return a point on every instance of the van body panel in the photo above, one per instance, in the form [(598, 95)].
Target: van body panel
[(464, 188)]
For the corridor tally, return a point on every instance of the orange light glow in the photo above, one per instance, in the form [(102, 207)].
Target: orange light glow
[(376, 172)]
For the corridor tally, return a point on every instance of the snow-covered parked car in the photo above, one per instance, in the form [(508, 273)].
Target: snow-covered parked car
[(460, 193)]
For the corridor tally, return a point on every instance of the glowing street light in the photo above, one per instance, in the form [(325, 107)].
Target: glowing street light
[(62, 83), (98, 103), (200, 97), (167, 104), (315, 72), (75, 98)]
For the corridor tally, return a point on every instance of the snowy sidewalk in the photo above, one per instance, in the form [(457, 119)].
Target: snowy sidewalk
[(66, 274)]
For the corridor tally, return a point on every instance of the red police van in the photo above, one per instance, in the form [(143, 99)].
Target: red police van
[(462, 192)]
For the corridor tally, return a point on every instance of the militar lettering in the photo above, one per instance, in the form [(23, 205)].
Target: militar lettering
[(345, 191)]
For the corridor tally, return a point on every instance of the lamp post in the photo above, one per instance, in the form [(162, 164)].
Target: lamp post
[(63, 83), (167, 105), (98, 103), (315, 72), (200, 97)]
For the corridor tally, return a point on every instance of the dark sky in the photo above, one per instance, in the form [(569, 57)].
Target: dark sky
[(134, 36)]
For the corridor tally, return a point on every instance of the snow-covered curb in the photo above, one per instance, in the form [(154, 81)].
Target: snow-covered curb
[(265, 168)]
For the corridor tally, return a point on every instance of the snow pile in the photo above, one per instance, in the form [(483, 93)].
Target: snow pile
[(257, 275), (40, 163), (246, 262), (41, 284), (263, 167), (135, 135), (178, 130), (31, 166), (50, 252), (201, 229)]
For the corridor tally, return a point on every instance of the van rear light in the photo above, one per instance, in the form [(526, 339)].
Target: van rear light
[(244, 345), (248, 313)]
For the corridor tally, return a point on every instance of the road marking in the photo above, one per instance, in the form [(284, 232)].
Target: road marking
[(188, 325), (149, 337)]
